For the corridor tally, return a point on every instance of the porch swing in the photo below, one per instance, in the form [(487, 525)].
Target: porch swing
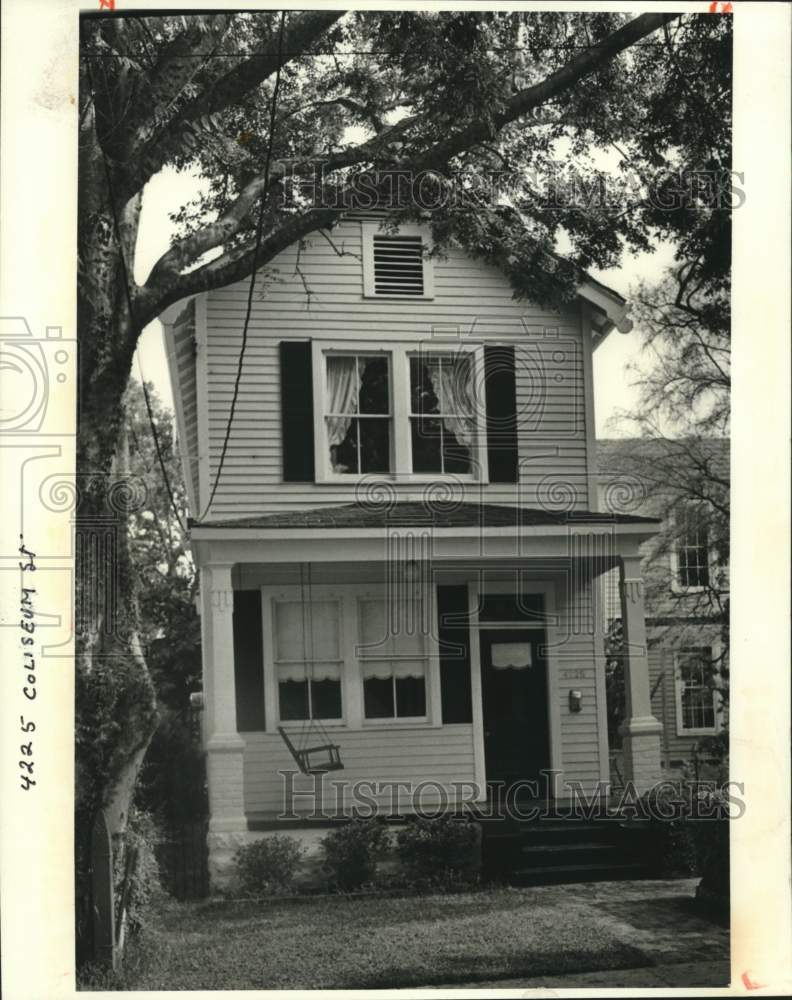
[(314, 751)]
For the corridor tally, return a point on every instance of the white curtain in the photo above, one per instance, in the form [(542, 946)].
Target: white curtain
[(452, 383), (341, 396), (511, 655), (382, 669), (308, 671)]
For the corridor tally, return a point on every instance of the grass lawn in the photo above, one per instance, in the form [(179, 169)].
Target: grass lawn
[(372, 943)]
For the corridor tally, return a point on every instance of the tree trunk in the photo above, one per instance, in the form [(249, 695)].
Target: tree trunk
[(116, 703)]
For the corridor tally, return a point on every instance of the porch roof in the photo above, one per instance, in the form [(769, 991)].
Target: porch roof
[(437, 514)]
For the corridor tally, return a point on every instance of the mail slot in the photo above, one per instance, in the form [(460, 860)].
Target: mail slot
[(575, 701)]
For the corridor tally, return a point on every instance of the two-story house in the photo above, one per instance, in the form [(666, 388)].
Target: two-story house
[(685, 566), (398, 556)]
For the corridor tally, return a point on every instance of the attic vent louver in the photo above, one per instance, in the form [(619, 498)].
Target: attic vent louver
[(398, 265)]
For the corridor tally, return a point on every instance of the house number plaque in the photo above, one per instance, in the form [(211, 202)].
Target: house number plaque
[(576, 674)]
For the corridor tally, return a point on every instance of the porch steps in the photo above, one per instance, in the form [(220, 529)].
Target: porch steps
[(546, 852)]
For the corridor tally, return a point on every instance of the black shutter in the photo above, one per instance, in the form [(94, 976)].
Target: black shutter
[(248, 661), (297, 417), (456, 700), (501, 399)]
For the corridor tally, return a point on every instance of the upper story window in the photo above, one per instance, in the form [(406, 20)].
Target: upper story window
[(442, 412), (357, 413), (395, 264), (400, 411), (695, 696), (692, 555)]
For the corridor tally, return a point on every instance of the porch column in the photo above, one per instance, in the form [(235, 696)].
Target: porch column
[(640, 730), (224, 746)]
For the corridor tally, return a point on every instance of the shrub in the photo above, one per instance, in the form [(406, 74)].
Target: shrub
[(712, 849), (442, 851), (351, 852), (144, 890), (669, 844), (267, 867)]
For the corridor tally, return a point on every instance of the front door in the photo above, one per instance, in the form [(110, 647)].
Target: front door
[(514, 696)]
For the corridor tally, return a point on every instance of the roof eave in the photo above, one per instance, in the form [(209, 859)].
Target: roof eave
[(610, 311)]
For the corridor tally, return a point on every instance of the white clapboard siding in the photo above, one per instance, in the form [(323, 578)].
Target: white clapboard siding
[(470, 298), (414, 755), (184, 350), (579, 666)]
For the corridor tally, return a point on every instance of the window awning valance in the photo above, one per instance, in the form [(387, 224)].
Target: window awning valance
[(309, 672), (382, 669)]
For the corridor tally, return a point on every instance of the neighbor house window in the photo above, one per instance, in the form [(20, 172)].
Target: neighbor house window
[(395, 265), (357, 413), (393, 660), (442, 412), (696, 697), (308, 659), (692, 550)]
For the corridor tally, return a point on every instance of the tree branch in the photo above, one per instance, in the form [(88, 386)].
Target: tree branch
[(152, 152)]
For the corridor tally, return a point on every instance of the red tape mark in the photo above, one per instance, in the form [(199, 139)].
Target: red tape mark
[(720, 8), (110, 5), (749, 984)]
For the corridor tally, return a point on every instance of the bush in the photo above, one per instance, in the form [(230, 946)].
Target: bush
[(439, 852), (669, 844), (145, 890), (267, 867), (351, 852), (712, 849)]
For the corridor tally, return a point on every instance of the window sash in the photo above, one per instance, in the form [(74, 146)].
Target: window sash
[(697, 710), (355, 414)]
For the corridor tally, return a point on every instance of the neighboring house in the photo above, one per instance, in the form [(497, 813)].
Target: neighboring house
[(398, 558), (686, 571)]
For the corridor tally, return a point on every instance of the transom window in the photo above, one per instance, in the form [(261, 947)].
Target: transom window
[(692, 550), (308, 659), (393, 660), (357, 413), (442, 412), (695, 694)]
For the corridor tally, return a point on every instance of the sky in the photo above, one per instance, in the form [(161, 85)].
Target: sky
[(613, 392)]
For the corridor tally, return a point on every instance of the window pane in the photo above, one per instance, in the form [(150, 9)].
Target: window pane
[(316, 622), (457, 395), (289, 631), (326, 699), (323, 618), (373, 627), (424, 376), (410, 696), (342, 384), (426, 445), (293, 698), (378, 698), (344, 455), (456, 456), (374, 389), (374, 445)]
